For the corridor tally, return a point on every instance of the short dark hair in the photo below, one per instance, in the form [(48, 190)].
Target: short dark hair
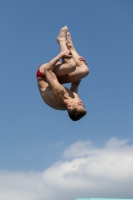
[(76, 114)]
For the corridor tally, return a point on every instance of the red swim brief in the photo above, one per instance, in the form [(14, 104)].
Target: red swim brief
[(39, 74)]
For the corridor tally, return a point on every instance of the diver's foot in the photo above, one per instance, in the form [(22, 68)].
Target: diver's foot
[(69, 44), (62, 35), (69, 37), (69, 41)]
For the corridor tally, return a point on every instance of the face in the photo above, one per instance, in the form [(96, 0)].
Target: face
[(77, 103)]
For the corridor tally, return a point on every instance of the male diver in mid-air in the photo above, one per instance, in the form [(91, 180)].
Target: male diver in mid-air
[(51, 76)]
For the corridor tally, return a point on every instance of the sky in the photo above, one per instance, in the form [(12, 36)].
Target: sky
[(43, 154)]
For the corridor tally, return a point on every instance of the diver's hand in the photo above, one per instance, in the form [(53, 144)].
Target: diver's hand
[(65, 53)]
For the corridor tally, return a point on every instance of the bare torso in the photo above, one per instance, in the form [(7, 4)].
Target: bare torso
[(54, 98)]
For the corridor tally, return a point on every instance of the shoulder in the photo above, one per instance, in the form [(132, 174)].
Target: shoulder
[(59, 89), (75, 95)]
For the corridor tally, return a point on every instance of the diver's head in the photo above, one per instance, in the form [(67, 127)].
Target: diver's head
[(76, 109)]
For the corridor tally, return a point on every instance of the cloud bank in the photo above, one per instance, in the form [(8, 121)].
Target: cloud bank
[(84, 172)]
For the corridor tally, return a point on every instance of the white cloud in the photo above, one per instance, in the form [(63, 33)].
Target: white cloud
[(115, 143), (91, 172), (78, 149)]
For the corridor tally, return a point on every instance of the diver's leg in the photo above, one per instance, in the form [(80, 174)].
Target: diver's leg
[(68, 64), (82, 69)]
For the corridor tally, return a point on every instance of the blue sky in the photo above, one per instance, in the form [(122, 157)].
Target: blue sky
[(32, 135)]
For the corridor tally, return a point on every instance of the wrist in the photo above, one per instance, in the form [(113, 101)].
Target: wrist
[(74, 85), (60, 54), (74, 88)]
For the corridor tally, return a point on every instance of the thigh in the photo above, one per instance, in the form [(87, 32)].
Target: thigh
[(61, 69), (78, 74)]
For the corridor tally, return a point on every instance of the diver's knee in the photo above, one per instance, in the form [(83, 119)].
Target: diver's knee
[(85, 70)]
